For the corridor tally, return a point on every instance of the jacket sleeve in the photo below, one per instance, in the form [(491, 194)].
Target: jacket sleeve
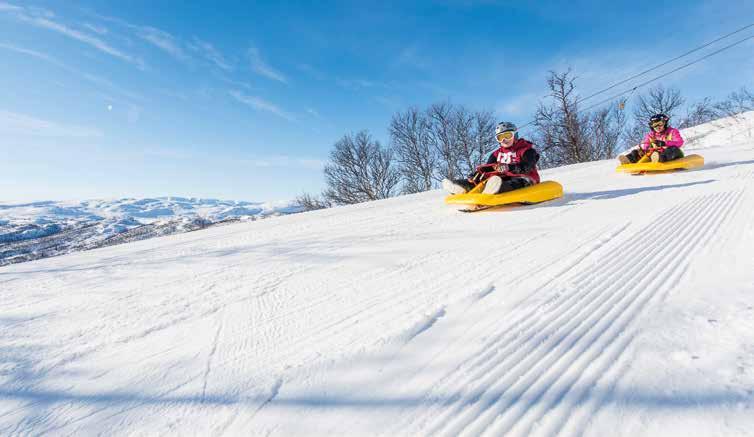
[(676, 140), (645, 142), (493, 158), (527, 164)]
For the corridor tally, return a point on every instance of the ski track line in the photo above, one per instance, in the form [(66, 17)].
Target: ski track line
[(382, 300), (199, 297), (549, 392), (124, 340), (490, 350), (488, 412), (392, 300), (520, 313), (235, 358), (573, 323), (589, 405), (525, 338), (374, 306), (211, 354), (523, 319)]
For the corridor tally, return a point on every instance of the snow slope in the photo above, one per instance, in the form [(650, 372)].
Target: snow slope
[(624, 308)]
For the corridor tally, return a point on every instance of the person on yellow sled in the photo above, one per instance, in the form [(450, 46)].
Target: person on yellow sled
[(513, 165), (663, 143)]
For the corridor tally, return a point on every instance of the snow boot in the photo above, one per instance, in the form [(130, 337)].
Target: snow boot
[(671, 154), (630, 158), (493, 185), (458, 186)]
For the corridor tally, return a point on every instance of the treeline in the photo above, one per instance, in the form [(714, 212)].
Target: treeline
[(450, 140)]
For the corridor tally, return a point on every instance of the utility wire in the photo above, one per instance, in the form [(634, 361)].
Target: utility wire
[(662, 75), (669, 72), (664, 63)]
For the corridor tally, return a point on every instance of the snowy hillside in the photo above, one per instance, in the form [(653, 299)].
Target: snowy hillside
[(43, 229), (624, 308)]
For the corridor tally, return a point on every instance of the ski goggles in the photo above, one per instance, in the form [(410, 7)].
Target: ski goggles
[(507, 135), (658, 123)]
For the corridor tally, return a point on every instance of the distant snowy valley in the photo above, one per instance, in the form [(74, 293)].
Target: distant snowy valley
[(42, 229)]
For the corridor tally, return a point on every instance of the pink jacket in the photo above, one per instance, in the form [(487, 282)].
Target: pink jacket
[(671, 136)]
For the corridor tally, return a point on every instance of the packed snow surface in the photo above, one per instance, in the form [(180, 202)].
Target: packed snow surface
[(624, 308)]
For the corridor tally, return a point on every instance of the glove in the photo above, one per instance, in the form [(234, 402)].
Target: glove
[(658, 144), (486, 168), (502, 168)]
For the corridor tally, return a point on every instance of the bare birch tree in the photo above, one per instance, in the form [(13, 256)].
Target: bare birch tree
[(359, 170)]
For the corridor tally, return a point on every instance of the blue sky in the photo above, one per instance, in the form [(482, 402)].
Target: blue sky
[(243, 100)]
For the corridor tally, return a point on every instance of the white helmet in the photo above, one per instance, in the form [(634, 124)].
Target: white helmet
[(506, 126)]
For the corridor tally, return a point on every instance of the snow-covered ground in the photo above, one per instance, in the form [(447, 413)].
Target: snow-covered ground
[(624, 308), (41, 229)]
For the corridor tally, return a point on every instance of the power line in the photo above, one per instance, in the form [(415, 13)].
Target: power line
[(665, 63), (662, 75), (669, 72)]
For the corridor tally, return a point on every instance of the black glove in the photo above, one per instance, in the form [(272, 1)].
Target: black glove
[(659, 143)]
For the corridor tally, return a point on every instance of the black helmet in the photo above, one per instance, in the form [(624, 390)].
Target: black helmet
[(659, 118)]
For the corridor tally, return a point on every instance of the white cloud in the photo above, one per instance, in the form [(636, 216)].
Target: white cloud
[(86, 76), (389, 102), (313, 164), (313, 112), (34, 54), (209, 52), (102, 30), (518, 105), (355, 83), (45, 19), (306, 68), (166, 152), (20, 124), (284, 161), (260, 104), (156, 37), (412, 56), (9, 7), (262, 68), (162, 40)]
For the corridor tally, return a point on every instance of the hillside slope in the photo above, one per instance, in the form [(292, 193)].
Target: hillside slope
[(37, 230), (624, 308)]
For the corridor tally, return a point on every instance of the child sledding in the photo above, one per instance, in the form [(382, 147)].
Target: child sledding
[(509, 176), (660, 150)]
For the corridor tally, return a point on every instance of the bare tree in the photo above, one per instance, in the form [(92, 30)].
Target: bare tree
[(311, 202), (568, 135), (736, 104), (561, 129), (359, 170), (475, 132), (441, 117), (658, 100), (606, 128), (409, 135), (700, 112), (445, 140)]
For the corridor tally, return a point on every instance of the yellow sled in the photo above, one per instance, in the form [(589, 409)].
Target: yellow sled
[(541, 192), (645, 165)]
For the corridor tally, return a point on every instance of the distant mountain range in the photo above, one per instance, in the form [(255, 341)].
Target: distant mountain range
[(42, 229)]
